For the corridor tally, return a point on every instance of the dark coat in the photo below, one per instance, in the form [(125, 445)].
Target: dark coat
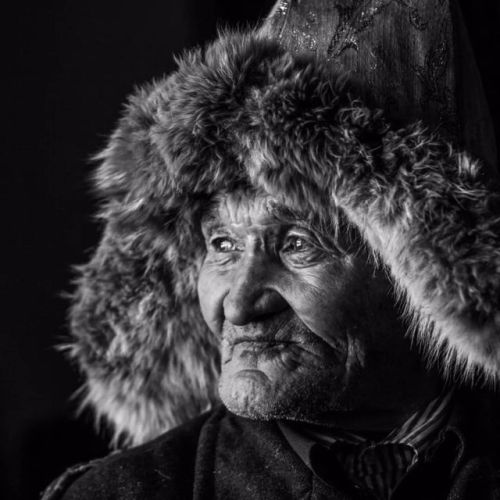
[(222, 456)]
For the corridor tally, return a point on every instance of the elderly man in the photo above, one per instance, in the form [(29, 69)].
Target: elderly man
[(327, 283)]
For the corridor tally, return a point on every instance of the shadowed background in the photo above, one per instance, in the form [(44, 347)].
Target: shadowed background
[(68, 68)]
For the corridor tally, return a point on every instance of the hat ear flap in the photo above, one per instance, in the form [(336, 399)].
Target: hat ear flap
[(433, 217), (149, 360)]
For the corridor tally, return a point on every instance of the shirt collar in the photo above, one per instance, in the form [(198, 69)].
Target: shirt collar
[(420, 431)]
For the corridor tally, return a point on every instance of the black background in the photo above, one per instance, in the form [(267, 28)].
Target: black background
[(67, 67)]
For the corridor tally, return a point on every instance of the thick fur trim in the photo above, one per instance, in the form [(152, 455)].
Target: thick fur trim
[(245, 112)]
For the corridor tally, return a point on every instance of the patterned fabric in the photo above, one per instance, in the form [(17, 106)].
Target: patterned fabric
[(411, 58), (380, 465)]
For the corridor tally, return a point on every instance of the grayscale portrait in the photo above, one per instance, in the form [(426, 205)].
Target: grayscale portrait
[(296, 293)]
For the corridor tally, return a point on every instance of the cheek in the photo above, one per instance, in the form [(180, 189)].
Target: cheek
[(333, 300), (212, 288), (318, 297)]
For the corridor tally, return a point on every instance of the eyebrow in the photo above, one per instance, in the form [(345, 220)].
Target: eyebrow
[(212, 225), (210, 220)]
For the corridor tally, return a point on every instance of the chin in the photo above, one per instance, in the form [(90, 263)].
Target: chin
[(251, 394), (246, 394)]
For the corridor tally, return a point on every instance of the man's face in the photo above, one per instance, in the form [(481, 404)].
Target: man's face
[(304, 332)]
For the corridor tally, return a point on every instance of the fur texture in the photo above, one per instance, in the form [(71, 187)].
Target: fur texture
[(245, 112)]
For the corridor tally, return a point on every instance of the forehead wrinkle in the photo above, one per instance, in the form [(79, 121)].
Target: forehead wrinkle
[(247, 209)]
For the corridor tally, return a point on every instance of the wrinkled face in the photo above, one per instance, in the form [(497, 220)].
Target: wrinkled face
[(305, 333)]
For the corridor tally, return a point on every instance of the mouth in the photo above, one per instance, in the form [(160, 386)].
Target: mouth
[(280, 330), (264, 340), (253, 352), (278, 338), (274, 345), (262, 349)]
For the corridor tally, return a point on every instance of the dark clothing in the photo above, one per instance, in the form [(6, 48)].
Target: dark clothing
[(222, 456), (377, 461)]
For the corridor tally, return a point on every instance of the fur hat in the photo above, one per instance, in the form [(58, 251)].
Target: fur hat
[(246, 111)]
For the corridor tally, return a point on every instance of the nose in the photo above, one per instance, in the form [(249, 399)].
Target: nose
[(252, 294)]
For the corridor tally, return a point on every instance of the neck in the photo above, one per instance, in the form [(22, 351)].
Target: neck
[(374, 417)]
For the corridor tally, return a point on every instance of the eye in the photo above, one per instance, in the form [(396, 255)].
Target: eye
[(295, 243), (223, 245)]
